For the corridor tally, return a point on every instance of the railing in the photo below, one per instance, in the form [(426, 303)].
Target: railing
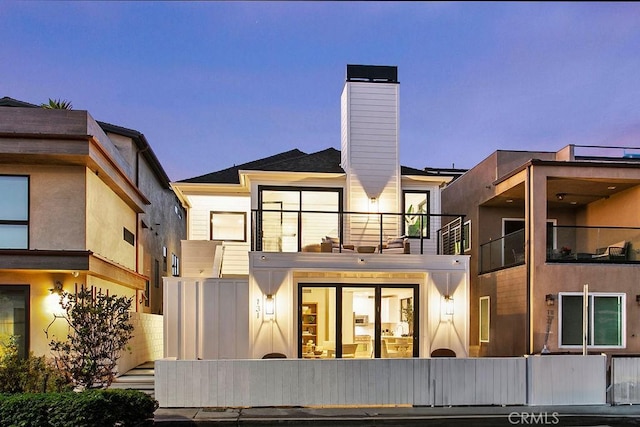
[(583, 244), (594, 244), (506, 251), (283, 230)]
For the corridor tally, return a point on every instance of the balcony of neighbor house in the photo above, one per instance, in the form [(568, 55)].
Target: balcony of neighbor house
[(347, 232), (591, 211)]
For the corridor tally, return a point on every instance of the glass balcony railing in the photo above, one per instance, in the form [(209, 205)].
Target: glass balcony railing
[(504, 252), (566, 244), (594, 244), (284, 230)]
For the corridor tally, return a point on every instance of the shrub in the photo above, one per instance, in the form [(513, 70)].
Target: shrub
[(89, 408), (30, 375), (99, 329)]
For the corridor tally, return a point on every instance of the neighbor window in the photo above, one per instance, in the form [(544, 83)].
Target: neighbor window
[(605, 320), (14, 212), (175, 265), (484, 319), (229, 226), (416, 210)]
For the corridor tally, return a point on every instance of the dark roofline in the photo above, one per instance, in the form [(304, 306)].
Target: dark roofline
[(10, 102), (143, 147)]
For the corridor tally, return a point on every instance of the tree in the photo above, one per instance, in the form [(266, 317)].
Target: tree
[(58, 104), (99, 329)]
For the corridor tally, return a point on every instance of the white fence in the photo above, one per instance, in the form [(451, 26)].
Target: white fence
[(625, 380), (537, 380)]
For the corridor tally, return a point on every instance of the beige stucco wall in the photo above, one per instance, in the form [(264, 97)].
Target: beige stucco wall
[(56, 205), (107, 214)]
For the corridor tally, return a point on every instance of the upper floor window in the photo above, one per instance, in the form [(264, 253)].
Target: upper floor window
[(606, 320), (14, 212), (455, 237), (416, 209), (229, 226)]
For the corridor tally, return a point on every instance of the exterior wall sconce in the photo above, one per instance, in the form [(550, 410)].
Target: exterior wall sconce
[(550, 299), (448, 305), (269, 305), (57, 288)]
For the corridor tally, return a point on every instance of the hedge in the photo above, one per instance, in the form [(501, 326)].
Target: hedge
[(88, 408)]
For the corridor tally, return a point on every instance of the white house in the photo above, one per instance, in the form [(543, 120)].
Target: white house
[(333, 254)]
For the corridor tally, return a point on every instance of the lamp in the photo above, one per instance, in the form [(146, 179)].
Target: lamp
[(57, 288), (269, 305), (448, 305), (550, 299)]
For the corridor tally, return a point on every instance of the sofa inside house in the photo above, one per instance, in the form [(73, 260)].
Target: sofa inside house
[(397, 245)]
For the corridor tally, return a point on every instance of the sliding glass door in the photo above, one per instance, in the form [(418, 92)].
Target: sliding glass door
[(357, 321)]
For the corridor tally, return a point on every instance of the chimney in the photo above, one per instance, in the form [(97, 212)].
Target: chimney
[(369, 137)]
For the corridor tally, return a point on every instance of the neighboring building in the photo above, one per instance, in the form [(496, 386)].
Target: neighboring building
[(84, 203), (541, 225), (322, 255)]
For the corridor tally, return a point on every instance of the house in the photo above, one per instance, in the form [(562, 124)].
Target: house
[(85, 203), (542, 226), (332, 254)]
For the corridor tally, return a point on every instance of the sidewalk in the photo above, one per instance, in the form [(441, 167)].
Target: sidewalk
[(401, 416)]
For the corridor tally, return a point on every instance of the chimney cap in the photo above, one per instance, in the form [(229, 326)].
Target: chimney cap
[(372, 73)]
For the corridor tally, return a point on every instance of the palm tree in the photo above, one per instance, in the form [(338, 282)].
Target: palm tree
[(58, 104)]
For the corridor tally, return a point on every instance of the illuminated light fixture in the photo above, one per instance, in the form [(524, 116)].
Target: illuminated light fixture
[(611, 187), (561, 196), (448, 305), (550, 299), (509, 200), (57, 288), (269, 305)]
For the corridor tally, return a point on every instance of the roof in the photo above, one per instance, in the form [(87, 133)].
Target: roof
[(139, 139), (325, 161)]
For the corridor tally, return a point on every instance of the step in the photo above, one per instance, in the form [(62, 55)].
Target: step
[(135, 386), (137, 371), (134, 379)]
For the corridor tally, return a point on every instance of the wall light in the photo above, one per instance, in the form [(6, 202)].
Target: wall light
[(448, 305), (550, 299), (57, 288), (269, 305)]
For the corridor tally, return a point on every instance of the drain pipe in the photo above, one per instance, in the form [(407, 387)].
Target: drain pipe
[(527, 249)]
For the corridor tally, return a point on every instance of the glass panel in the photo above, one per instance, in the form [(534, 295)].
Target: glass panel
[(358, 322), (280, 229), (229, 226), (415, 203), (316, 226), (571, 320), (397, 319), (318, 322), (484, 319), (607, 320), (13, 318), (13, 236), (14, 191)]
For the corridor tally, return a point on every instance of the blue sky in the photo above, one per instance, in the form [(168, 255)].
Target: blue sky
[(213, 84)]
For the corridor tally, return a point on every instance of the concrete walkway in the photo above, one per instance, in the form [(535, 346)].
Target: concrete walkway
[(401, 416)]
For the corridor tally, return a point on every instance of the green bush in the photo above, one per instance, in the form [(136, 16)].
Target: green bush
[(88, 408), (31, 375)]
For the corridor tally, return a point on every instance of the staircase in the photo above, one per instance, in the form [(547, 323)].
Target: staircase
[(139, 378)]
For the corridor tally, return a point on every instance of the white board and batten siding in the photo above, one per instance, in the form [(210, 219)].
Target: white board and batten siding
[(625, 380), (290, 382)]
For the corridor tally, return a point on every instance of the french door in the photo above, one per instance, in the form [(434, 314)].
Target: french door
[(357, 321)]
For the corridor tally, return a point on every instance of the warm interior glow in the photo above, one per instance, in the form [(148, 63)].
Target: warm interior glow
[(269, 305), (448, 305)]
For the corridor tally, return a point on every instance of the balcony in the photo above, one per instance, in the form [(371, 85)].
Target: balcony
[(312, 230), (568, 244), (507, 251), (585, 244)]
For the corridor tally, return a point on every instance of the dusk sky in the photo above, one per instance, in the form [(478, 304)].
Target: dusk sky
[(213, 84)]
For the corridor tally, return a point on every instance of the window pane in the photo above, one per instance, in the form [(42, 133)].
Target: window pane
[(13, 236), (13, 318), (318, 323), (607, 320), (484, 319), (416, 203), (571, 320), (229, 226), (14, 191)]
